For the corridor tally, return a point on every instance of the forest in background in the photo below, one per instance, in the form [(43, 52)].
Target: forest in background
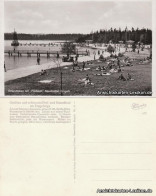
[(24, 36), (114, 35), (102, 36)]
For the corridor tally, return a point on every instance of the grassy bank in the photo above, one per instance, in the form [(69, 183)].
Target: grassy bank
[(73, 83)]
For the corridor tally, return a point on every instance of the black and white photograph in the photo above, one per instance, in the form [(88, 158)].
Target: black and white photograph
[(78, 48), (77, 89)]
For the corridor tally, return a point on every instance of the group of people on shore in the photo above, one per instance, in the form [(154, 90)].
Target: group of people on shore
[(75, 64), (43, 72), (112, 66), (129, 77)]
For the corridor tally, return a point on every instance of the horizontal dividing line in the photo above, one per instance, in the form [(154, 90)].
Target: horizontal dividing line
[(125, 180), (122, 169), (114, 153), (118, 142)]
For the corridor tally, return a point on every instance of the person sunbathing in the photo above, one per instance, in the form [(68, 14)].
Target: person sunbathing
[(121, 77), (99, 68), (129, 63), (103, 68), (110, 66), (43, 72), (76, 64), (88, 80), (119, 70), (129, 77)]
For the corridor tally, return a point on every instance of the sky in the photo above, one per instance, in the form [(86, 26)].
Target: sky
[(75, 17)]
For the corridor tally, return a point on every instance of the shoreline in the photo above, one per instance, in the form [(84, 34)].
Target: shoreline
[(73, 82), (13, 74), (29, 70)]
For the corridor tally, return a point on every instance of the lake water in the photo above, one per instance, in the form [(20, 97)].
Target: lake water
[(14, 62)]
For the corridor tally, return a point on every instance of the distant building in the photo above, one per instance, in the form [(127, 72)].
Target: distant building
[(129, 43), (89, 41)]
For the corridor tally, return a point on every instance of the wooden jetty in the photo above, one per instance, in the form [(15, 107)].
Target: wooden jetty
[(29, 53)]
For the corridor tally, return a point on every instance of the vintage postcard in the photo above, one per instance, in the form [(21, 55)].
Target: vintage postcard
[(78, 48), (77, 106), (76, 148)]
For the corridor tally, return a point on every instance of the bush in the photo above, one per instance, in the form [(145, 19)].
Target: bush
[(120, 54), (110, 49), (69, 48), (101, 57)]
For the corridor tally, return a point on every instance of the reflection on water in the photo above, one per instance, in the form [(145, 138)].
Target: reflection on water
[(14, 62)]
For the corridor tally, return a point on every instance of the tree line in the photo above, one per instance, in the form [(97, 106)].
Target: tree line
[(114, 35), (23, 36), (102, 36)]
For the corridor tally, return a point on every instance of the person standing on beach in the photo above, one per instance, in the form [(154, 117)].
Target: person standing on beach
[(83, 65), (73, 65), (4, 67), (118, 62), (38, 60), (76, 57), (57, 55)]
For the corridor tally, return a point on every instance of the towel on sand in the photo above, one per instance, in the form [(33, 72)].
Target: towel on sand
[(45, 81), (102, 74)]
